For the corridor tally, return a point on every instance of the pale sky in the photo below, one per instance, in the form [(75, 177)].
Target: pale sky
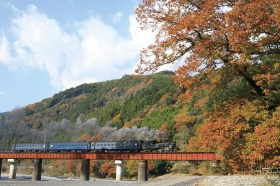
[(47, 46)]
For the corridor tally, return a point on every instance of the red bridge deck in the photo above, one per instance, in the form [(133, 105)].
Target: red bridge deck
[(178, 156)]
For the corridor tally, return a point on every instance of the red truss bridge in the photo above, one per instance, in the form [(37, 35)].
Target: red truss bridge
[(174, 156), (85, 158)]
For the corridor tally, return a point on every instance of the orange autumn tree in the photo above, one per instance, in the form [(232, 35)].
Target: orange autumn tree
[(71, 167), (108, 169), (211, 34), (265, 141), (231, 49), (229, 132)]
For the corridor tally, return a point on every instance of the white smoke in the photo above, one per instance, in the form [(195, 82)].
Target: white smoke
[(91, 127)]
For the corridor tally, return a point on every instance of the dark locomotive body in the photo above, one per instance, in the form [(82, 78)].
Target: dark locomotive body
[(111, 146), (153, 146)]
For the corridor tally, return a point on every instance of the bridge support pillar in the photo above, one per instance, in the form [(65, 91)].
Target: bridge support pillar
[(119, 169), (37, 170), (85, 170), (13, 168), (0, 167), (143, 170)]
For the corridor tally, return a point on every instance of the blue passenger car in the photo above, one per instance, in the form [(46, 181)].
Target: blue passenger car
[(116, 146), (103, 146), (69, 146), (30, 147)]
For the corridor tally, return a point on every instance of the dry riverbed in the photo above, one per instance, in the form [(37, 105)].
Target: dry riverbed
[(166, 180)]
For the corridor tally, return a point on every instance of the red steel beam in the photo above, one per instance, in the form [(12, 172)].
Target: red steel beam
[(178, 156)]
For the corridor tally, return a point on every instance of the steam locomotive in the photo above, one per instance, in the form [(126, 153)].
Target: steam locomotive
[(120, 146)]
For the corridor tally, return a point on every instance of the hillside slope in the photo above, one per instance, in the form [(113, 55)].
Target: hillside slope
[(143, 101)]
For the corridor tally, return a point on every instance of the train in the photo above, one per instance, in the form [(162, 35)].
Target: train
[(110, 146)]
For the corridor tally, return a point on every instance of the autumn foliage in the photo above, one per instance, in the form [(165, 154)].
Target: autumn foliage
[(108, 169), (230, 50)]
